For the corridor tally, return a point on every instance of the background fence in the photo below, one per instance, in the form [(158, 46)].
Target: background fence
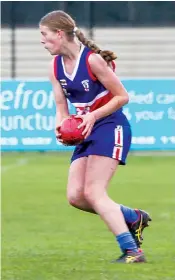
[(141, 33)]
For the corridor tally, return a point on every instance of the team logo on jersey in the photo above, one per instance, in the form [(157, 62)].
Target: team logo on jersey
[(63, 82), (65, 92), (85, 84), (83, 111)]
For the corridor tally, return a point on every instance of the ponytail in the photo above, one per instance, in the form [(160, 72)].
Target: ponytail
[(106, 55)]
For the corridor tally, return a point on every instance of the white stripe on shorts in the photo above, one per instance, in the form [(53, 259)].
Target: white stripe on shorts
[(118, 148)]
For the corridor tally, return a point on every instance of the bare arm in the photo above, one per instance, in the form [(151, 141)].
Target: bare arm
[(110, 81), (60, 100)]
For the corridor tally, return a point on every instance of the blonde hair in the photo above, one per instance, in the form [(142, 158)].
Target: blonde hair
[(61, 20)]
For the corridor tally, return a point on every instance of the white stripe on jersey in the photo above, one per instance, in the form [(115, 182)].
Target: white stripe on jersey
[(102, 94)]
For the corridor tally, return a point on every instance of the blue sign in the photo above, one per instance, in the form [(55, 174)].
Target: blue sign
[(151, 112), (28, 115)]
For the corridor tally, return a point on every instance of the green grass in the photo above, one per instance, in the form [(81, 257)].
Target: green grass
[(43, 238)]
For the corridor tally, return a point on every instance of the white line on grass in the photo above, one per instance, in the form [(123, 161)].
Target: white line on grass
[(19, 162)]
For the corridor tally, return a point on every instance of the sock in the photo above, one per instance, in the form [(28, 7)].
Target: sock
[(126, 242), (129, 214)]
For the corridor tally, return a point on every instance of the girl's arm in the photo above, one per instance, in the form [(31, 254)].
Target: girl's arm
[(110, 81), (60, 100)]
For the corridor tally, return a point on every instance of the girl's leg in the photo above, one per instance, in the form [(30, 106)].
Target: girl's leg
[(99, 171), (75, 195), (75, 190), (75, 186)]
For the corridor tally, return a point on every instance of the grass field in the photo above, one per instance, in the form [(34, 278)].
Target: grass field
[(43, 238)]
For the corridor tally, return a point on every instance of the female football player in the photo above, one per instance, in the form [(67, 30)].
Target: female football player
[(84, 74)]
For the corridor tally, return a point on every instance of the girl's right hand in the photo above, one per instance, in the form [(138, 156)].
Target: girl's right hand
[(57, 129), (58, 134)]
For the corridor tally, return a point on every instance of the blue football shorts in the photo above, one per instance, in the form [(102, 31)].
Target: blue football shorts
[(107, 139)]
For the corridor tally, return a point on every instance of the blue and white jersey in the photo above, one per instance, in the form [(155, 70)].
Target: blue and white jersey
[(82, 88)]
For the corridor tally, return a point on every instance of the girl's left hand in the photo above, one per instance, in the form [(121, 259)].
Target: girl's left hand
[(88, 122)]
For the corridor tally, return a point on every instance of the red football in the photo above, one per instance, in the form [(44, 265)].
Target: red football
[(70, 133)]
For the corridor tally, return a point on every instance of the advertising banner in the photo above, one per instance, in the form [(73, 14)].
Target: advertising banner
[(28, 115)]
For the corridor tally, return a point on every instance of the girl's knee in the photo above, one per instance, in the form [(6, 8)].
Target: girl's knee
[(91, 194), (74, 198)]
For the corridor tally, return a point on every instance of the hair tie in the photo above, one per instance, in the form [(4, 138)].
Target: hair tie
[(75, 29)]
